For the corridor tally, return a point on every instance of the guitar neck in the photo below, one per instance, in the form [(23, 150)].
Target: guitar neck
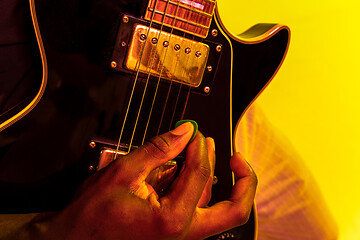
[(193, 17)]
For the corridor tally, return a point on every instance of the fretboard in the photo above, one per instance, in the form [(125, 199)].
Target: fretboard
[(191, 16)]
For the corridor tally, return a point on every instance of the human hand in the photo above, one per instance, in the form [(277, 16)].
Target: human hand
[(117, 203)]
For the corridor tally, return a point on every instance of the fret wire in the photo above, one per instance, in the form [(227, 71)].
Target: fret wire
[(208, 1), (190, 8), (181, 19)]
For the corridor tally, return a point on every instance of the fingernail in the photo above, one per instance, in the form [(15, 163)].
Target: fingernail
[(183, 126), (182, 129)]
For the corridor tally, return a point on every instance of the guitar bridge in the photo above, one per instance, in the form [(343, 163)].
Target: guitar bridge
[(103, 153)]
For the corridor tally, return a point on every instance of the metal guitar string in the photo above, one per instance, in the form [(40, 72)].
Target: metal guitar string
[(160, 75), (149, 74), (133, 88), (189, 89), (170, 86), (181, 84), (167, 98), (159, 78), (148, 77)]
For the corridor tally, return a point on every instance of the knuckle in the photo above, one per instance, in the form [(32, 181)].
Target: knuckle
[(253, 180), (242, 216), (158, 147), (204, 172), (244, 219), (203, 169)]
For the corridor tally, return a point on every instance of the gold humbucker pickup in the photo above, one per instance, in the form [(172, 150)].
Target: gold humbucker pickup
[(167, 56)]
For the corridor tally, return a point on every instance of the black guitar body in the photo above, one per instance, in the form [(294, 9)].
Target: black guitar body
[(46, 154)]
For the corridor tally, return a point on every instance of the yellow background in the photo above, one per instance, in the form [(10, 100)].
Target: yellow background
[(314, 97)]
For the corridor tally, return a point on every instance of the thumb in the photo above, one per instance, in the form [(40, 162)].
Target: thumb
[(158, 150)]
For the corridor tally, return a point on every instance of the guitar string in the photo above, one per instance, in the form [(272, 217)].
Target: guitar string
[(160, 76), (169, 89), (203, 2), (166, 101), (167, 97), (202, 40), (171, 80), (185, 67), (164, 108), (147, 79), (133, 88), (149, 74)]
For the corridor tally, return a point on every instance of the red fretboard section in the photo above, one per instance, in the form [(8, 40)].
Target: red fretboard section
[(191, 16)]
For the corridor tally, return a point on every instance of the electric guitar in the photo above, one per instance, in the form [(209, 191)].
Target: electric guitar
[(116, 73)]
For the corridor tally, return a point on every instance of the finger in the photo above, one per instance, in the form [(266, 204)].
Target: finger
[(245, 180), (186, 190), (233, 212), (206, 195), (157, 151)]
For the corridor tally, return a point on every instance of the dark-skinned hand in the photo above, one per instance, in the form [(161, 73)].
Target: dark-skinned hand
[(117, 203)]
